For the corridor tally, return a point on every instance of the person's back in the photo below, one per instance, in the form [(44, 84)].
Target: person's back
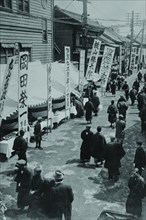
[(120, 126), (37, 128)]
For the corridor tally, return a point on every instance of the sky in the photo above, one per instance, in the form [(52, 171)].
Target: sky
[(110, 12)]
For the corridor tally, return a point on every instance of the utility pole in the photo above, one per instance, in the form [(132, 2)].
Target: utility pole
[(131, 42), (141, 45), (84, 35)]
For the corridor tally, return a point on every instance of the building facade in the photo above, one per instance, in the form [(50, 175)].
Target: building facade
[(26, 25)]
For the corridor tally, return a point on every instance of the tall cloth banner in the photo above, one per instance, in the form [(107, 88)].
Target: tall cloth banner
[(67, 82), (120, 59), (93, 60), (82, 69), (133, 58), (22, 91), (5, 85), (49, 94), (105, 67)]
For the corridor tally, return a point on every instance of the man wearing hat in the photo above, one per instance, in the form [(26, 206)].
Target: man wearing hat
[(38, 133), (85, 150), (140, 157), (120, 129), (20, 146), (122, 106), (62, 198), (23, 179)]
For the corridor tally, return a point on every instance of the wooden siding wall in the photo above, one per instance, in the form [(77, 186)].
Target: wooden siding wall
[(27, 29)]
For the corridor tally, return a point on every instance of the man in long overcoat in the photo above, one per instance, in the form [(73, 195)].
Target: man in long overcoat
[(38, 133), (96, 102), (112, 111), (143, 118), (86, 136), (23, 179), (134, 201), (140, 158), (61, 197), (89, 108), (120, 129), (98, 144), (113, 154)]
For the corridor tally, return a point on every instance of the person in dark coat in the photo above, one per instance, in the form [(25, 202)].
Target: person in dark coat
[(86, 136), (89, 108), (132, 94), (113, 154), (143, 118), (23, 179), (122, 106), (38, 133), (134, 201), (36, 193), (140, 158), (112, 111), (96, 102), (79, 107), (20, 146), (139, 76), (141, 97), (113, 87), (98, 143), (136, 85), (62, 197), (120, 129), (126, 90)]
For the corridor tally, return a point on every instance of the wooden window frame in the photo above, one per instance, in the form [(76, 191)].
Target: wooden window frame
[(23, 11), (44, 30), (4, 6), (6, 55)]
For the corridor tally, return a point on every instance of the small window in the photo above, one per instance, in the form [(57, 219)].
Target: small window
[(6, 4), (5, 53), (23, 6), (44, 31)]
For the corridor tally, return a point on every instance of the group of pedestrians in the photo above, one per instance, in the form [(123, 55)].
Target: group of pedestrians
[(42, 197)]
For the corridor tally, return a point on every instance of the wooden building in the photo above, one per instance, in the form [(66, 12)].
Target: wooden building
[(69, 31), (26, 25)]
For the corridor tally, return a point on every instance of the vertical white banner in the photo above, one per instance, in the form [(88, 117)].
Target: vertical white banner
[(82, 69), (49, 94), (133, 58), (120, 59), (93, 60), (106, 63), (67, 82), (5, 85), (22, 91)]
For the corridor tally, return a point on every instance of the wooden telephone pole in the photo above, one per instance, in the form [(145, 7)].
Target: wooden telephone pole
[(84, 34), (141, 45)]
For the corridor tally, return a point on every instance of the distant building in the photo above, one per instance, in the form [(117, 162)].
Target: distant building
[(26, 25), (69, 31)]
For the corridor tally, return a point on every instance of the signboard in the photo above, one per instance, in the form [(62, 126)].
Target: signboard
[(5, 85), (67, 81), (22, 91), (120, 59), (82, 69), (49, 93), (106, 63), (93, 60), (133, 58)]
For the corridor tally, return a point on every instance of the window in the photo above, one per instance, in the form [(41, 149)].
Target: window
[(44, 31), (23, 6), (6, 4), (5, 53)]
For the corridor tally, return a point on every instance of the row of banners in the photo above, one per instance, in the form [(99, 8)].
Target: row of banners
[(104, 72)]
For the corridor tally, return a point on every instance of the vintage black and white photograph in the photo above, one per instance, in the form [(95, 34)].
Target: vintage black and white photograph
[(72, 109)]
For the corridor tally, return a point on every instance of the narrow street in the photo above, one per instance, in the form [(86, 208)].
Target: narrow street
[(93, 192)]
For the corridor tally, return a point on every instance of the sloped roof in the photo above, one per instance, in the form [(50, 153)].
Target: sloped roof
[(112, 35), (63, 15)]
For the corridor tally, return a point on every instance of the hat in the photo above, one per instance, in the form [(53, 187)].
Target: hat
[(21, 163), (39, 118), (139, 142), (38, 168), (58, 175), (121, 116)]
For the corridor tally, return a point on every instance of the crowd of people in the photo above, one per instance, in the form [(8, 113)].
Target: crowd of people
[(51, 197)]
